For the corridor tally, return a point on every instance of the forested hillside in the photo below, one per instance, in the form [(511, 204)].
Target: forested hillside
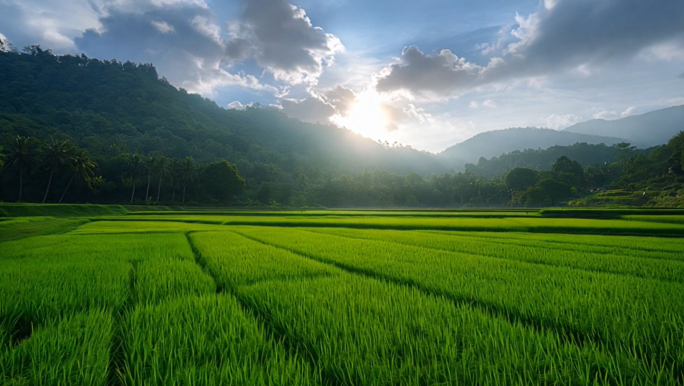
[(543, 159), (108, 108), (75, 129), (650, 129), (495, 143)]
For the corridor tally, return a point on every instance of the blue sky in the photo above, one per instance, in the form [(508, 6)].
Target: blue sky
[(425, 73)]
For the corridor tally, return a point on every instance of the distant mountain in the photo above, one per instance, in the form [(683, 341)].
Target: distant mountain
[(109, 107), (495, 143), (645, 130)]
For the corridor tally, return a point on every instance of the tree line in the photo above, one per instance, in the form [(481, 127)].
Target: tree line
[(57, 171), (58, 165)]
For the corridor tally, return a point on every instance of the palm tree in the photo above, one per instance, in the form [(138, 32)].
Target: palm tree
[(56, 155), (175, 174), (21, 158), (82, 166), (163, 169), (150, 165), (135, 170), (188, 173)]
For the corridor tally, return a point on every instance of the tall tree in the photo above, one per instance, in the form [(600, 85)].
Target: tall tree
[(163, 169), (135, 170), (221, 181), (188, 173), (521, 178), (56, 155), (151, 166), (175, 166), (82, 166), (22, 158)]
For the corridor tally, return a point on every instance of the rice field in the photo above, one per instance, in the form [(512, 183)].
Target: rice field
[(341, 298)]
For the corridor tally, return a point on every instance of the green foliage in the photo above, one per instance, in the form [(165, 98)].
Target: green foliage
[(185, 299), (222, 181), (119, 111), (543, 159), (521, 178)]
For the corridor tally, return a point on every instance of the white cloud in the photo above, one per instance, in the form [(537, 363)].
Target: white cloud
[(556, 122), (611, 114), (489, 103), (562, 36), (285, 41), (163, 26)]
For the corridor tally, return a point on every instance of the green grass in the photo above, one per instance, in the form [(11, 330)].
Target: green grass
[(17, 228), (607, 212), (510, 224), (60, 210), (341, 298), (206, 340), (662, 219), (69, 350), (621, 311), (647, 265), (366, 332)]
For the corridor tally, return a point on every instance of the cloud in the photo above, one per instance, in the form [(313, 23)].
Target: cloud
[(562, 35), (310, 109), (489, 103), (429, 75), (341, 98), (182, 39), (320, 106), (555, 121), (285, 41), (608, 114), (163, 26)]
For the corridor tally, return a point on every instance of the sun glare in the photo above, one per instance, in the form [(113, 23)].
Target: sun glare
[(366, 117)]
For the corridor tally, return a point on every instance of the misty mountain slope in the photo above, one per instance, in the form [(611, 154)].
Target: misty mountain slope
[(109, 107), (495, 143), (646, 130)]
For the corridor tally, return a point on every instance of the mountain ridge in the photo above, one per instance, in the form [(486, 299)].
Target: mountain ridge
[(498, 142), (644, 130)]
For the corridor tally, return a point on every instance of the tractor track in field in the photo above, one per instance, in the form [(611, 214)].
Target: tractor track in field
[(277, 334), (117, 356), (568, 334)]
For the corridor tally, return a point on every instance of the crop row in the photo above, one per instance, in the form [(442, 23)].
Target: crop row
[(130, 309), (668, 270), (521, 224), (640, 315), (361, 331), (656, 247)]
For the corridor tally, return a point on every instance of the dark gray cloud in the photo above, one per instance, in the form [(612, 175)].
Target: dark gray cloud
[(562, 35), (341, 98), (574, 32), (181, 39), (428, 74), (286, 42), (320, 107), (310, 109)]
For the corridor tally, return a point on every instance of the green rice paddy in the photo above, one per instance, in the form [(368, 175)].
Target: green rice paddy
[(341, 298)]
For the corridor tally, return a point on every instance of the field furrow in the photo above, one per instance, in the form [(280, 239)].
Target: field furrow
[(617, 264), (619, 311), (362, 331)]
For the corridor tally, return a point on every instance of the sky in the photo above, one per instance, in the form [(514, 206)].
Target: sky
[(426, 74)]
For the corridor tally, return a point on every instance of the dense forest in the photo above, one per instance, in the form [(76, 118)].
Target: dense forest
[(76, 129)]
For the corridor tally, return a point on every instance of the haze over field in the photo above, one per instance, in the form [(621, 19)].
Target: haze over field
[(427, 74)]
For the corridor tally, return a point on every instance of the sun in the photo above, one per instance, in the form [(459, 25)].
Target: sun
[(367, 117)]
